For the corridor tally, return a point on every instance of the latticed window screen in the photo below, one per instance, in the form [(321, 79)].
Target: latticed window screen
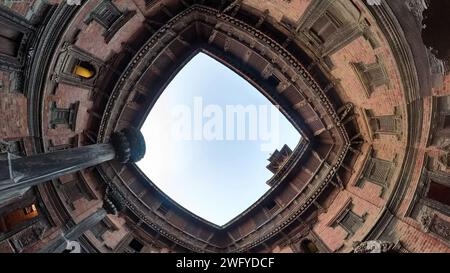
[(372, 75), (149, 2), (383, 124), (60, 116), (378, 170), (106, 14), (387, 124), (351, 222), (325, 27), (65, 116), (375, 75)]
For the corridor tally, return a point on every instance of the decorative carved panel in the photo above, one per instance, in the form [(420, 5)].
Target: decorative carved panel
[(376, 171), (348, 220), (64, 116), (386, 124), (328, 25), (110, 17), (432, 223), (371, 75), (15, 32)]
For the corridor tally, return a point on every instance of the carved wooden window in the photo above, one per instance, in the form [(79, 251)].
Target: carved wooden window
[(325, 27), (65, 116), (378, 171), (387, 124), (375, 75), (372, 75), (149, 2), (110, 17), (106, 14), (10, 40), (383, 124), (349, 221)]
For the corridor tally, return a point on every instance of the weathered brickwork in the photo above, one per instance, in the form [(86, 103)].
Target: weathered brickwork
[(279, 8), (13, 113), (4, 81)]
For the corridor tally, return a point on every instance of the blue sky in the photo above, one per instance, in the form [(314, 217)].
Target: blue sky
[(215, 178)]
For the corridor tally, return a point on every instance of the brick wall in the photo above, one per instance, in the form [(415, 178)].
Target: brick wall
[(13, 116)]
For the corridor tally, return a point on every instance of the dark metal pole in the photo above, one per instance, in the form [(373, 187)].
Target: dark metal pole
[(32, 170), (17, 174)]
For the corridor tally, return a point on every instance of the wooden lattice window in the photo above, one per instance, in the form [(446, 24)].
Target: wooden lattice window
[(106, 14), (10, 40), (64, 116), (378, 170), (324, 28), (349, 221)]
